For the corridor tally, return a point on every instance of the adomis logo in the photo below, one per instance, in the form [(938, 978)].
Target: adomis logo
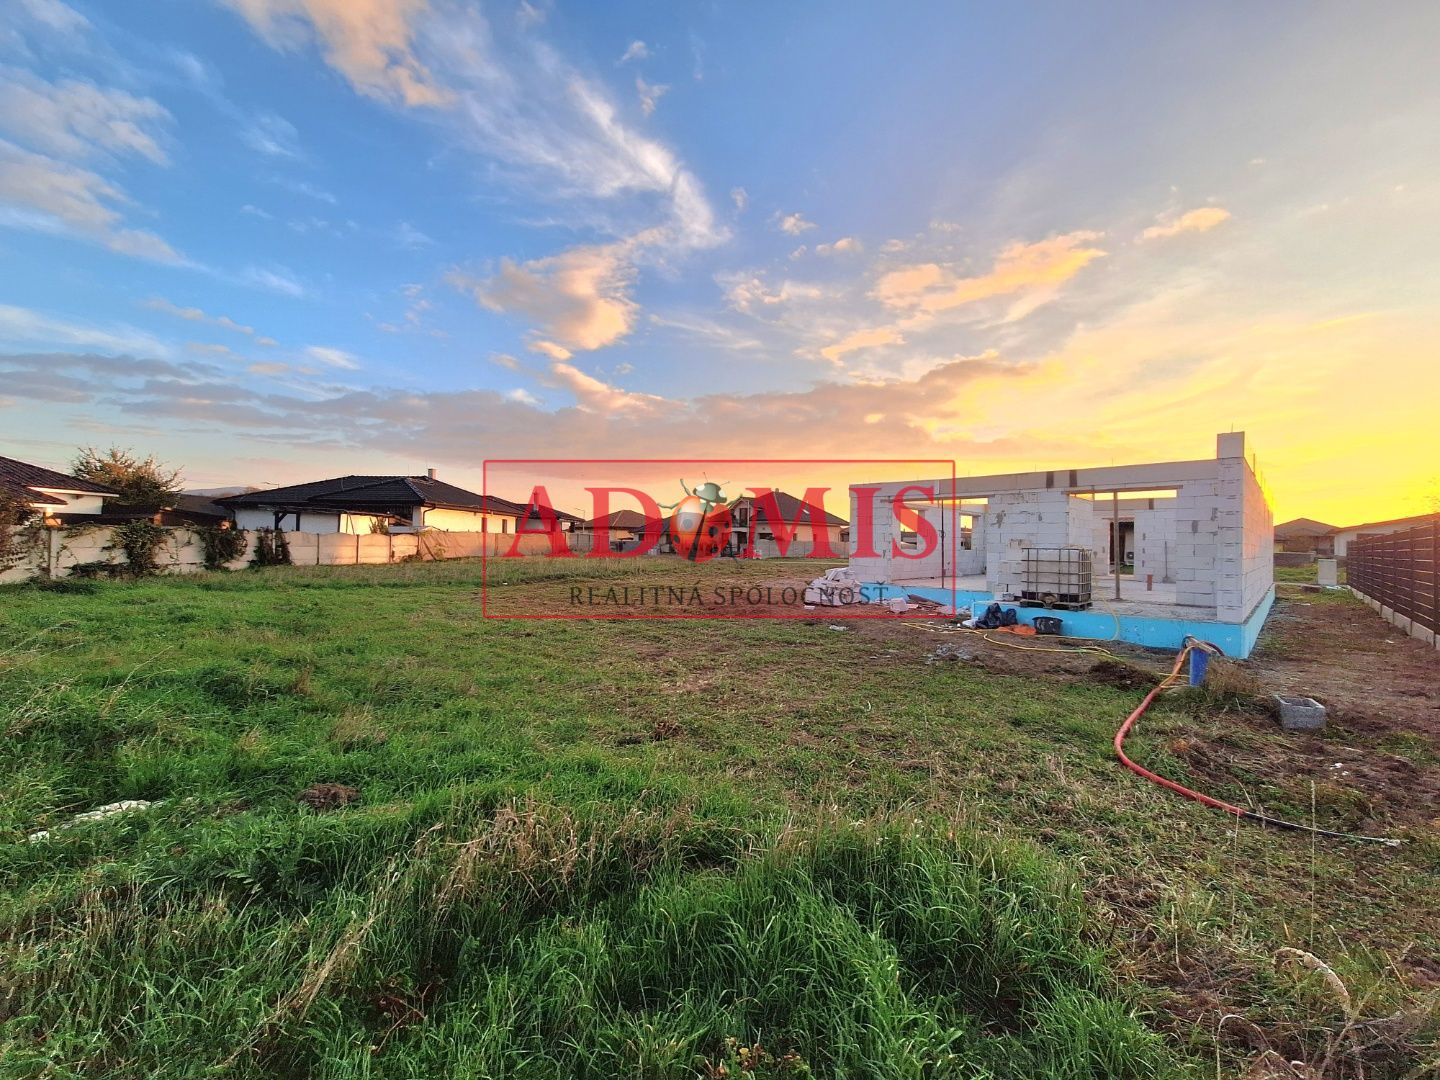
[(703, 538)]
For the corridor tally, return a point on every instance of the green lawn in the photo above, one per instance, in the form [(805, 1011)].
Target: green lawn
[(618, 849)]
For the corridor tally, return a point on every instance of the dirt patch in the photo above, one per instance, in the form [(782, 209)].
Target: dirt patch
[(1373, 678), (326, 797), (1120, 675)]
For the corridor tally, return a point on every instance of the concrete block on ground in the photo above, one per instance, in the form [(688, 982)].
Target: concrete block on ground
[(1298, 713)]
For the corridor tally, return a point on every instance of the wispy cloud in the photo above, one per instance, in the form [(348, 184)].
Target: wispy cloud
[(304, 187), (43, 194), (862, 339), (650, 95), (195, 314), (24, 326), (336, 358), (596, 395), (55, 15), (271, 135), (1201, 219), (544, 123), (76, 119), (1038, 268), (408, 236), (636, 50), (276, 279), (43, 184)]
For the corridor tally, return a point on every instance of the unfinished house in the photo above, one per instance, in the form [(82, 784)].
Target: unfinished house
[(1144, 553)]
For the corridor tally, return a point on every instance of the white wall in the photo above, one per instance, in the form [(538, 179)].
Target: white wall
[(1018, 520), (1154, 543), (58, 502), (247, 518), (437, 517)]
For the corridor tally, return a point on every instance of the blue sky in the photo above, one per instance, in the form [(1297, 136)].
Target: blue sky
[(271, 240)]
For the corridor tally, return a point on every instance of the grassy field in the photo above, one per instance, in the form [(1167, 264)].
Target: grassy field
[(616, 849)]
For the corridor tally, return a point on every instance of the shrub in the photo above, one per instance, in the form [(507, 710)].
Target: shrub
[(15, 514), (221, 545), (140, 540), (271, 548)]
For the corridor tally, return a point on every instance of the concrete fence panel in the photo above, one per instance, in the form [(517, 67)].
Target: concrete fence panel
[(42, 552)]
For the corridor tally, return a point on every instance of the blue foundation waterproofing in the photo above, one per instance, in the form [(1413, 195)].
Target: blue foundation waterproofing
[(1235, 639)]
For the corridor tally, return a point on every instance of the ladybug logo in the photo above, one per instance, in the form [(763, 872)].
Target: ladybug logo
[(701, 524)]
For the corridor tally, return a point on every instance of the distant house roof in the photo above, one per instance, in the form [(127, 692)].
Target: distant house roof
[(1293, 530), (619, 520), (24, 480), (1418, 519), (560, 515), (791, 508), (373, 494), (199, 509)]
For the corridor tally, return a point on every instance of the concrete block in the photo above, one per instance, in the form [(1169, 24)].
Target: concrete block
[(1299, 713)]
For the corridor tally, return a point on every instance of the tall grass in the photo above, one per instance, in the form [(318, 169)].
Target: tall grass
[(535, 941)]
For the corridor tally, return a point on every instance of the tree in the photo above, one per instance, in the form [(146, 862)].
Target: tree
[(139, 482)]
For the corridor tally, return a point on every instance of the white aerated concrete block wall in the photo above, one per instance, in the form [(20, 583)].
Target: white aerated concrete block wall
[(1017, 520), (1197, 535), (1155, 544), (1252, 559), (885, 531), (1244, 548)]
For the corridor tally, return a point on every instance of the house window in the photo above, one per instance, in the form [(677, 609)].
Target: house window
[(504, 525)]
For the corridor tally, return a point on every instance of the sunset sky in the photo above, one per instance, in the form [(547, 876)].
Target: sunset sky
[(276, 240)]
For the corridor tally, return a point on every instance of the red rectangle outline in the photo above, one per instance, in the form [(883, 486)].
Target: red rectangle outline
[(484, 548)]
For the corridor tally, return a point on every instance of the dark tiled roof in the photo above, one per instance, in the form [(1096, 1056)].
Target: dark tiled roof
[(198, 507), (357, 492), (620, 519), (560, 515), (1418, 519), (21, 478), (1288, 530), (790, 509)]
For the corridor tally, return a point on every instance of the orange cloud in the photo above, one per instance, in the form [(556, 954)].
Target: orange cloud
[(862, 339), (1200, 220), (1019, 268), (367, 41), (580, 297), (595, 395), (550, 349)]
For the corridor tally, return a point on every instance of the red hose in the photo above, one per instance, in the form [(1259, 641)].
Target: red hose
[(1208, 800), (1156, 778)]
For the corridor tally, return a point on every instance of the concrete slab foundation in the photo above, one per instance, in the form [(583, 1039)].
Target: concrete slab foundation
[(1155, 627)]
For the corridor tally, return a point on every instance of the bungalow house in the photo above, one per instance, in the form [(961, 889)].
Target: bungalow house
[(1305, 535), (1341, 537), (365, 504), (54, 494)]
